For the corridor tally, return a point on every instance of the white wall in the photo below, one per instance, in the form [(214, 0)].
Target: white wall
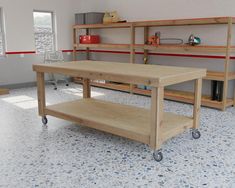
[(20, 36), (134, 10), (160, 9), (19, 22)]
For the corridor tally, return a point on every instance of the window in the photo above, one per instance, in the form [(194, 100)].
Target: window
[(2, 34), (44, 32)]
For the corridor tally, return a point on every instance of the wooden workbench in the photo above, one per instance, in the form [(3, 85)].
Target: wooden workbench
[(151, 127)]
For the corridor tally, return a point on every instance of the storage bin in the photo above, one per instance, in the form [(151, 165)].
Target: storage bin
[(80, 18), (94, 18)]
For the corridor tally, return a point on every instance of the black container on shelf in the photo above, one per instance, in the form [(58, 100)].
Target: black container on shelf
[(217, 90)]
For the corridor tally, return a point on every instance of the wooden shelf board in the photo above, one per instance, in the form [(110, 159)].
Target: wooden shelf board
[(161, 48), (188, 97), (219, 76), (153, 23), (122, 120), (113, 46), (4, 91), (100, 26), (183, 48), (180, 96), (181, 22)]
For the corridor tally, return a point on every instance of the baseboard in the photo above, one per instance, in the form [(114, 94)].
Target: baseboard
[(19, 85)]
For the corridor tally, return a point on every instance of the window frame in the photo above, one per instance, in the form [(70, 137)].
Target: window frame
[(3, 32), (53, 24)]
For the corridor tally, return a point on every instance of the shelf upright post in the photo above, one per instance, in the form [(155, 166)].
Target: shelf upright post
[(74, 43), (227, 63), (146, 36), (132, 50), (87, 49), (86, 88)]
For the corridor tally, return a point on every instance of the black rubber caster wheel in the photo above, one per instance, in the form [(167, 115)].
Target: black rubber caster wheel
[(157, 155), (67, 85), (55, 88), (44, 120), (196, 134)]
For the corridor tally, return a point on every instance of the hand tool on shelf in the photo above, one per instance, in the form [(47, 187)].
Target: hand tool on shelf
[(157, 40), (193, 40)]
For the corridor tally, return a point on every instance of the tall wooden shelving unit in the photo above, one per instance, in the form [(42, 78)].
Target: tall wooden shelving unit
[(132, 47)]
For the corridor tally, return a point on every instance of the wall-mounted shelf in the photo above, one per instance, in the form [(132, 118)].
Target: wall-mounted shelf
[(182, 22), (181, 96), (104, 46), (100, 26), (224, 75), (183, 48), (157, 23), (160, 48), (219, 76)]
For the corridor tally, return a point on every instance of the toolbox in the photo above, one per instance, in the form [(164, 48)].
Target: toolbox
[(89, 18)]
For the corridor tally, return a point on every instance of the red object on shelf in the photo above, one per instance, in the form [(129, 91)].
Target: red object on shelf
[(89, 39)]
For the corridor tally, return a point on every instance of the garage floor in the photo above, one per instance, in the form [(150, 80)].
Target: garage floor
[(67, 155)]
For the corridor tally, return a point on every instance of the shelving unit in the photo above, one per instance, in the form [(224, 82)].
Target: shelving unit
[(226, 75)]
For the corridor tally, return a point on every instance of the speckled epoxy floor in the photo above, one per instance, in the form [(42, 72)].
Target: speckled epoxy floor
[(66, 155)]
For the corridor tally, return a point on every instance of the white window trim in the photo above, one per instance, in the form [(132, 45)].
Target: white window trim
[(54, 28), (3, 31)]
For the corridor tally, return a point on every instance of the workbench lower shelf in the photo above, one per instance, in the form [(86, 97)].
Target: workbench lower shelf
[(122, 120)]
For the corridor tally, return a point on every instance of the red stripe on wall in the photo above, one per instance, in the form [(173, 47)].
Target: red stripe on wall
[(139, 53), (23, 52), (65, 51)]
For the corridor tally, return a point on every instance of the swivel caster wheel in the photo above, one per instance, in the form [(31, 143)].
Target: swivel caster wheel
[(157, 155), (196, 134), (55, 88), (67, 85), (44, 120)]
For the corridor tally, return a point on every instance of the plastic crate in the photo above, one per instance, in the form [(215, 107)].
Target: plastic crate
[(94, 18), (80, 18)]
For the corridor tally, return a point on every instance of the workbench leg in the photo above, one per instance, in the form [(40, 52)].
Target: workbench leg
[(157, 97), (41, 93), (86, 88), (197, 108), (41, 97)]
